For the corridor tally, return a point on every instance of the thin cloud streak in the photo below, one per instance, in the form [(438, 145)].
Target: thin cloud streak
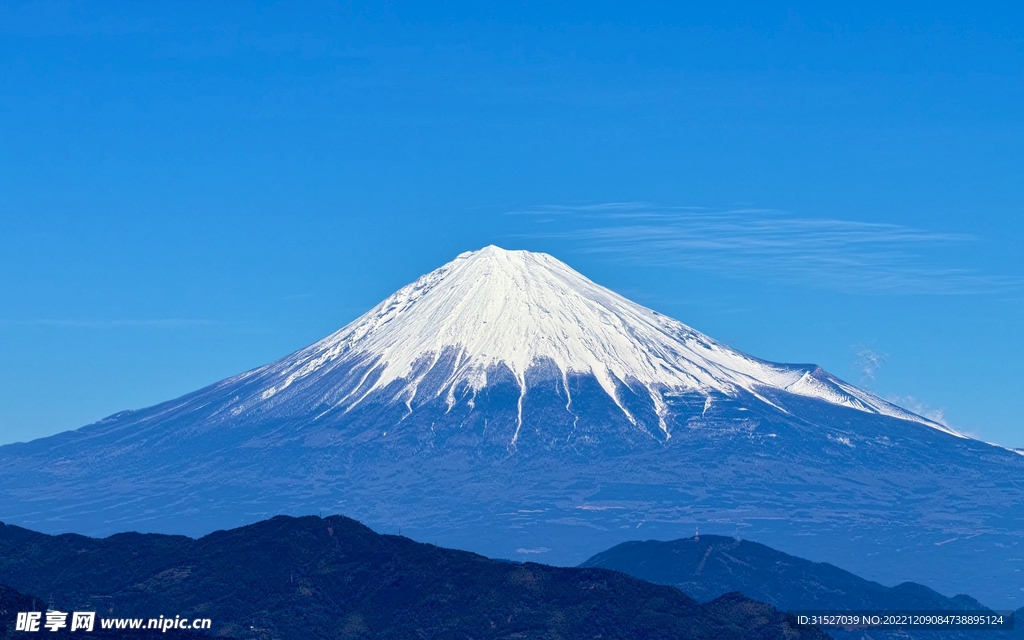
[(829, 253), (81, 323)]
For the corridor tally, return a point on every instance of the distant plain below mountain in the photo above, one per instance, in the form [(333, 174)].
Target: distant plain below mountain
[(313, 578), (708, 566)]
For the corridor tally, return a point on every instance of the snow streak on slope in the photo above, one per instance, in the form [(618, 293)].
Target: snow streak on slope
[(517, 309)]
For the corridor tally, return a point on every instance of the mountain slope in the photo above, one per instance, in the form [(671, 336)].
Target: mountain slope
[(507, 405), (710, 566), (496, 316), (334, 578), (490, 309)]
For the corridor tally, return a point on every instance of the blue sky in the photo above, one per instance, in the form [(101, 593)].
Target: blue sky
[(189, 190)]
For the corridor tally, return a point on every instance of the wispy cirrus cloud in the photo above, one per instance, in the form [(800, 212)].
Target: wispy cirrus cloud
[(87, 323), (848, 255)]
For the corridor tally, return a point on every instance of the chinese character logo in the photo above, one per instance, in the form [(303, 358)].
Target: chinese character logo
[(56, 620), (32, 620), (83, 620), (28, 621)]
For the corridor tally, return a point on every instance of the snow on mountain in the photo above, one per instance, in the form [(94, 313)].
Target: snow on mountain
[(519, 308), (506, 402)]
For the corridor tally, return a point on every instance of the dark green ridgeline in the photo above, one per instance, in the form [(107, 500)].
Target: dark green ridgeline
[(708, 566), (335, 578)]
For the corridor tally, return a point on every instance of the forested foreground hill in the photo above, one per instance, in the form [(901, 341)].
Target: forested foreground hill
[(12, 602), (335, 578), (709, 566)]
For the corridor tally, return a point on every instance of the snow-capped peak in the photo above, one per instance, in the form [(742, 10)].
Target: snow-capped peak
[(520, 308)]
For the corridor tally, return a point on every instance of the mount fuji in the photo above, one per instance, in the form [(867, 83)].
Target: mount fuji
[(506, 404)]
